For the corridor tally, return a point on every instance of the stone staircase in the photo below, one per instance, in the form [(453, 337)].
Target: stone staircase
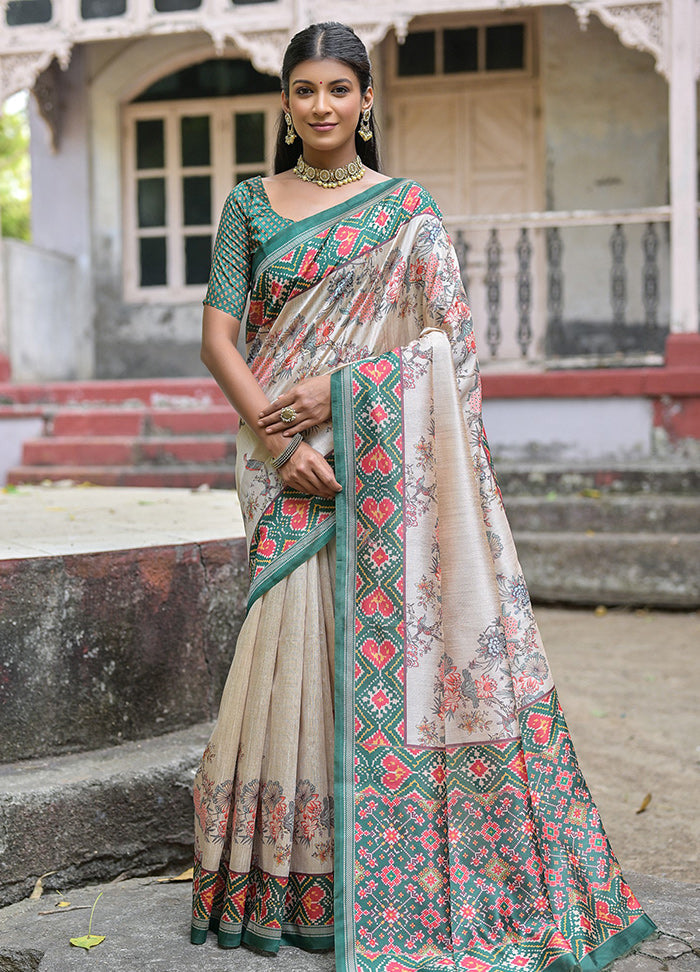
[(597, 533), (612, 534), (174, 432)]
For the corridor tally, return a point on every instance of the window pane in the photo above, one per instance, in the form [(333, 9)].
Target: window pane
[(417, 54), (151, 202), (28, 12), (194, 131), (152, 261), (170, 6), (461, 50), (150, 144), (196, 200), (250, 137), (505, 47), (197, 259), (102, 8), (215, 78)]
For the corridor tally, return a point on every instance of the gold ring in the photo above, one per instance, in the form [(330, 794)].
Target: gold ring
[(288, 414)]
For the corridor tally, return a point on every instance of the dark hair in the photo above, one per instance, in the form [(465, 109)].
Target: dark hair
[(318, 41)]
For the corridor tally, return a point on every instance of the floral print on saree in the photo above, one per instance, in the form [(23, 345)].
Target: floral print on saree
[(465, 835)]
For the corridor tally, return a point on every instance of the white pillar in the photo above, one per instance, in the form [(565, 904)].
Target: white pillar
[(683, 174)]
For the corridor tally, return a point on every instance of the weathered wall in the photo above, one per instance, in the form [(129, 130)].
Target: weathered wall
[(97, 649), (606, 130), (133, 340), (46, 331), (61, 217)]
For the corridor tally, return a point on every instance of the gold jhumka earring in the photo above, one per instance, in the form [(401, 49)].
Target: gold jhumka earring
[(364, 131), (291, 134)]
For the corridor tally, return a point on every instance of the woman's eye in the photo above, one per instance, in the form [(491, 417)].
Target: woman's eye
[(340, 89)]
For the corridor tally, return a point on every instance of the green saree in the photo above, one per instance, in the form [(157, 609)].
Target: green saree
[(391, 772)]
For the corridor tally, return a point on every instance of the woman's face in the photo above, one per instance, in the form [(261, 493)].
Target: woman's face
[(325, 102)]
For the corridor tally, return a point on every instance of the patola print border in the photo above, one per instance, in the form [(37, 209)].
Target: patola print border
[(582, 914)]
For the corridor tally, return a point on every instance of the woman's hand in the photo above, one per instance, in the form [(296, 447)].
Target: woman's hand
[(308, 472), (310, 399)]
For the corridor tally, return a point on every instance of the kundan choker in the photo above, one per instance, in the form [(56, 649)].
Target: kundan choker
[(330, 178)]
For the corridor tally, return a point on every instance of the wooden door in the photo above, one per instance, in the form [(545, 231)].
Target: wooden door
[(477, 149)]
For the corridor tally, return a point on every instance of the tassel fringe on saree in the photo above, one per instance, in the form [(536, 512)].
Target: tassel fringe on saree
[(390, 667)]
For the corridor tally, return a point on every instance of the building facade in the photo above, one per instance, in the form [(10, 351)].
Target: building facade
[(558, 139)]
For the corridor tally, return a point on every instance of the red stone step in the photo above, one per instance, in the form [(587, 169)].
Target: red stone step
[(105, 421), (148, 391), (117, 450), (189, 477)]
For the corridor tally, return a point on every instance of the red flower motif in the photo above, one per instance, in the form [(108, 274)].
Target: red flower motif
[(266, 545), (377, 601), (346, 236), (378, 654), (298, 510), (396, 772), (412, 199), (380, 512), (542, 725), (312, 903)]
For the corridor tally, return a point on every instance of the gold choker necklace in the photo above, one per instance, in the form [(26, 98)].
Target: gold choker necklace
[(330, 178)]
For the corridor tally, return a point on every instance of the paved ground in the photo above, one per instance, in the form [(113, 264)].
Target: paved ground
[(37, 521), (628, 683), (145, 929)]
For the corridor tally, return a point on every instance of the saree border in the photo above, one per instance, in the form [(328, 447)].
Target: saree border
[(311, 225), (343, 863), (313, 541)]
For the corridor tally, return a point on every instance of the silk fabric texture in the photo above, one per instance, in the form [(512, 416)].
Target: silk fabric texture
[(391, 772)]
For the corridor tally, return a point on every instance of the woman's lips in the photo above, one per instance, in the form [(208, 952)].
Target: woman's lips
[(324, 127)]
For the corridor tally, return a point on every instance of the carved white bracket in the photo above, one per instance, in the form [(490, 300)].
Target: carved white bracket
[(642, 26), (20, 71)]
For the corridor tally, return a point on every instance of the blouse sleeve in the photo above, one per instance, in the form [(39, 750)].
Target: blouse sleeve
[(229, 280)]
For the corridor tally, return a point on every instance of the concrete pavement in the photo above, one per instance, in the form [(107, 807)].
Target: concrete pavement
[(145, 925)]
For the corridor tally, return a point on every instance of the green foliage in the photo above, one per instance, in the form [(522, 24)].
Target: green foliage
[(15, 182)]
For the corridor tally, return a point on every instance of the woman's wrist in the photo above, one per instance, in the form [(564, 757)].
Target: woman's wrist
[(291, 447)]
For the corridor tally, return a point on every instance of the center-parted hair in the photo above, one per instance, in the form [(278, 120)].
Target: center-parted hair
[(315, 43)]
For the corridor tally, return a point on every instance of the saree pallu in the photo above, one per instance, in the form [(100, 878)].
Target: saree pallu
[(464, 834)]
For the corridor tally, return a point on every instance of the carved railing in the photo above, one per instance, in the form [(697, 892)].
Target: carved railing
[(576, 284)]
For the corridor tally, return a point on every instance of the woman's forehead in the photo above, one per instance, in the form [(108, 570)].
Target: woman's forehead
[(324, 69)]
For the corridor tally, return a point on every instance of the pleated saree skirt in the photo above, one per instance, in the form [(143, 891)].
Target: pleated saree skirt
[(264, 790)]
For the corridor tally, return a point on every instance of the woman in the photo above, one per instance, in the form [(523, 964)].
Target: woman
[(390, 663)]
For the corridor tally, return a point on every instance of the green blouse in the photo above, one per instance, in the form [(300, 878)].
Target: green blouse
[(247, 221)]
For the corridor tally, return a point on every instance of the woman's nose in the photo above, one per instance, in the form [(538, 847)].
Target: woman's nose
[(321, 103)]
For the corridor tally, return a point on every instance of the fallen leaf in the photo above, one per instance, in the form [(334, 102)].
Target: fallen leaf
[(600, 611), (38, 889), (87, 941), (9, 489), (644, 804), (591, 493), (185, 876), (590, 533)]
